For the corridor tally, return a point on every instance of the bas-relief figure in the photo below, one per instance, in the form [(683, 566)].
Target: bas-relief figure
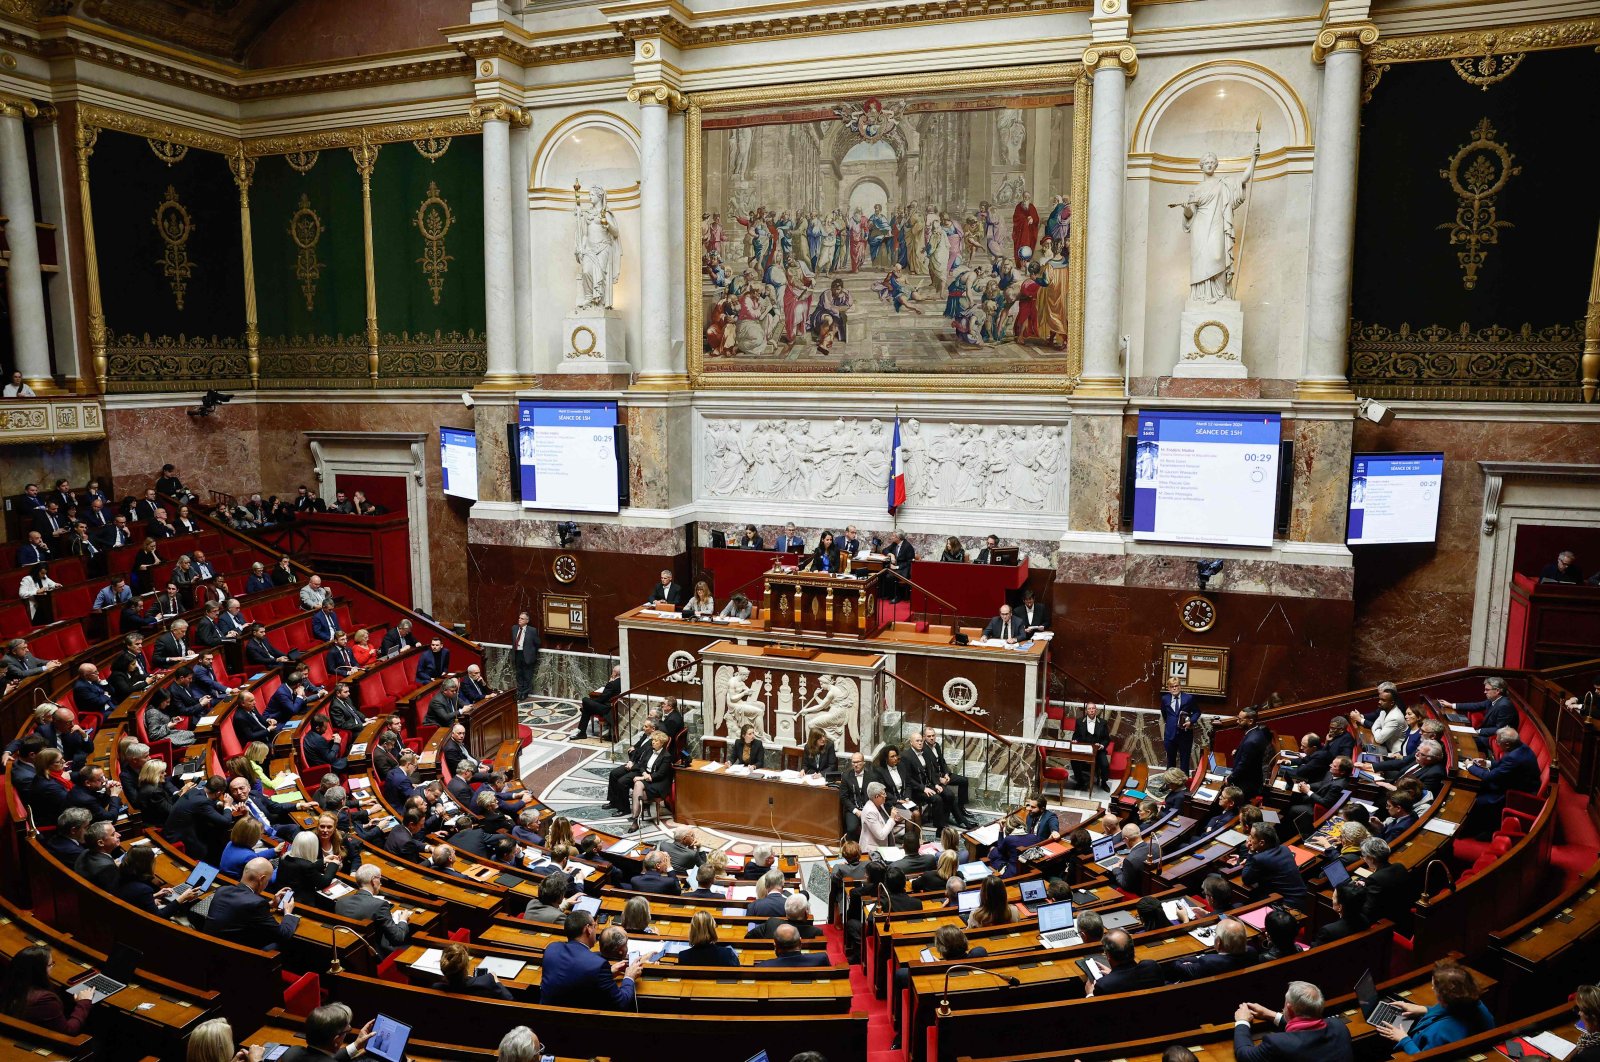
[(860, 237), (836, 708), (1004, 468), (737, 701)]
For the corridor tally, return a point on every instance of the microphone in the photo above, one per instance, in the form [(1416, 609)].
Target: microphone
[(335, 966), (944, 1008), (883, 907), (1427, 873)]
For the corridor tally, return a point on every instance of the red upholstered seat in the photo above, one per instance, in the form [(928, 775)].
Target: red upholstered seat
[(462, 935), (303, 994)]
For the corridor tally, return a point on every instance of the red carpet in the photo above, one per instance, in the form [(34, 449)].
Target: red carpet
[(894, 612), (880, 1033)]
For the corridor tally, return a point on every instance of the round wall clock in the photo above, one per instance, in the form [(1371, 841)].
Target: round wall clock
[(564, 567), (1197, 613)]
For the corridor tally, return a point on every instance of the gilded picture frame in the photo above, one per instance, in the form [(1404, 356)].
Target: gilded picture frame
[(1059, 77)]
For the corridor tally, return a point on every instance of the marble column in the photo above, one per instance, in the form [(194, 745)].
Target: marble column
[(657, 368), (521, 219), (1112, 64), (498, 272), (24, 280), (1333, 211)]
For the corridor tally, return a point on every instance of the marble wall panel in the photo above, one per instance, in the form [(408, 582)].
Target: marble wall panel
[(531, 531), (1096, 477), (649, 459), (1321, 479), (1161, 571), (490, 421), (219, 452), (1413, 604), (77, 462)]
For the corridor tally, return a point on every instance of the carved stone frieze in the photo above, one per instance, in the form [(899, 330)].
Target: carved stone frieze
[(973, 466)]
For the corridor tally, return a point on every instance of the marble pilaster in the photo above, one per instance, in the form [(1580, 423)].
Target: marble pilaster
[(1094, 483), (1333, 210), (659, 364), (24, 280), (498, 267), (1321, 476)]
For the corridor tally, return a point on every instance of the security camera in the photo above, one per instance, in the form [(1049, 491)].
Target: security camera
[(209, 403), (1205, 570), (466, 400), (1375, 411), (569, 533)]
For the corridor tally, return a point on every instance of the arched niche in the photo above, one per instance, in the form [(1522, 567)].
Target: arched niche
[(1214, 107), (593, 147)]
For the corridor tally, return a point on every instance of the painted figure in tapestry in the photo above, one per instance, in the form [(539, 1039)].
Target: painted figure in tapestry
[(888, 235)]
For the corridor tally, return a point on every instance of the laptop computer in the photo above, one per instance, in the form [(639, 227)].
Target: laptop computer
[(967, 902), (200, 878), (389, 1039), (1119, 919), (1378, 1011), (1057, 929), (120, 965), (971, 872), (1337, 872), (1033, 893), (1105, 846)]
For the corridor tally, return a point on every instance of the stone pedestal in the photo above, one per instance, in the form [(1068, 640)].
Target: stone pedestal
[(595, 341), (1211, 341)]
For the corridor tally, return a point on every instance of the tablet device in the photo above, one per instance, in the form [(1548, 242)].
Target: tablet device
[(590, 904), (968, 901), (1337, 872), (1032, 890), (389, 1039), (200, 878)]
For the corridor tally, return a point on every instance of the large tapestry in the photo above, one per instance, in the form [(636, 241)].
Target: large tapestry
[(905, 233), (166, 220), (1476, 223)]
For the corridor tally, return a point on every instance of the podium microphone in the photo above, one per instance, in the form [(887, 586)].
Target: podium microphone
[(944, 1008)]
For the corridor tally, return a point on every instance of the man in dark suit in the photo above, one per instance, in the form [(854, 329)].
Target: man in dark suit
[(115, 535), (34, 551), (330, 1036), (98, 863), (474, 687), (573, 975), (657, 876), (1005, 627), (682, 853), (786, 950), (1325, 793), (206, 632), (853, 794), (50, 524), (90, 693), (1426, 768), (1517, 770), (168, 603), (597, 705), (402, 839), (1250, 760), (1349, 904), (186, 700), (1229, 952), (79, 544), (1389, 890), (199, 823), (97, 794), (459, 758), (789, 541), (95, 515), (1131, 872), (232, 623), (666, 594), (322, 746), (339, 660), (171, 648), (445, 708), (325, 624), (289, 700), (796, 914), (1125, 974), (933, 756), (239, 913), (1092, 729), (250, 723), (922, 785), (986, 554), (398, 638), (433, 661), (1270, 867), (63, 733), (1299, 1032), (525, 646), (619, 783), (1496, 706), (367, 904), (897, 587)]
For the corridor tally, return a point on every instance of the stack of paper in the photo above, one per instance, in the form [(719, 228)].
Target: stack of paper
[(428, 962), (712, 767), (336, 889)]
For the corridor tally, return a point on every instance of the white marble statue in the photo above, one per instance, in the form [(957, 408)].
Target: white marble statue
[(741, 702), (1013, 133), (836, 708), (1208, 212), (598, 250)]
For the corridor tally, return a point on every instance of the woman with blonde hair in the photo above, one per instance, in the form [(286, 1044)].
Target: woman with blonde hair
[(331, 845), (155, 797), (257, 753), (636, 916), (212, 1041), (560, 832), (361, 648), (934, 880), (704, 949), (702, 605)]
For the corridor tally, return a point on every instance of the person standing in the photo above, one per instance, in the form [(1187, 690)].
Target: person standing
[(525, 648), (1179, 717)]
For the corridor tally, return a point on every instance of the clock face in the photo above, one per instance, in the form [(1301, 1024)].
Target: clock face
[(564, 568), (1197, 613)]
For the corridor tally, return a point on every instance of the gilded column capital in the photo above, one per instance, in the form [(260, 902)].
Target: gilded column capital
[(17, 107), (657, 94), (1342, 36), (499, 111), (1121, 54), (243, 168)]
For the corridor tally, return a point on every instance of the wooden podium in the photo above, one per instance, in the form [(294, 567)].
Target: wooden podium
[(834, 606)]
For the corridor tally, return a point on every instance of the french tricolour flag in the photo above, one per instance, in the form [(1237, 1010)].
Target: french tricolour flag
[(897, 470)]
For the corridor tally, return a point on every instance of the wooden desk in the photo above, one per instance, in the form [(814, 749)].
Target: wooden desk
[(752, 804), (284, 1028), (837, 606), (976, 590)]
